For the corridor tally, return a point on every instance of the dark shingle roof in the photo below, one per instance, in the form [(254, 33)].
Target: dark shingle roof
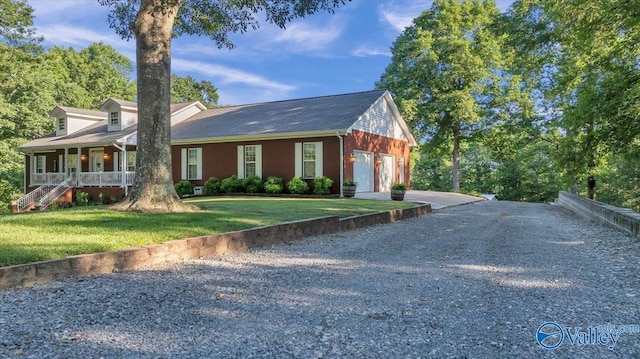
[(81, 111), (327, 113), (94, 134), (307, 115)]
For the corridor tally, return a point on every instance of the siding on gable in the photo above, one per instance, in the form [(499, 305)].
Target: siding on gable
[(379, 120), (185, 114), (128, 118), (75, 124)]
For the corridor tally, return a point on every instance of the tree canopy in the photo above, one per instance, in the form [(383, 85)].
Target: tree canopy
[(565, 114), (445, 72), (185, 89), (154, 23)]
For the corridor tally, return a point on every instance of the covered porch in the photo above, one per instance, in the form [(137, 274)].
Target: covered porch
[(106, 166)]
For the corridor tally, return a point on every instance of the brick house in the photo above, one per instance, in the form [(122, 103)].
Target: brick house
[(358, 135)]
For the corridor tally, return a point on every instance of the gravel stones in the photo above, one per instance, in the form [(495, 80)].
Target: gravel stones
[(472, 281)]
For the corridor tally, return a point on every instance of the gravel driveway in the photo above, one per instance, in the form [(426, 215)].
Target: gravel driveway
[(474, 281)]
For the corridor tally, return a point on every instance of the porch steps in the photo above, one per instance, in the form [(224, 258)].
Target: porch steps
[(41, 197)]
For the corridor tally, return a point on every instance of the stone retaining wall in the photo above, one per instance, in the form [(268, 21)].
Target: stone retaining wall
[(196, 247), (619, 218)]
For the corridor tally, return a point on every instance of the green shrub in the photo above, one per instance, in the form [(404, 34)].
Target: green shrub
[(83, 199), (213, 185), (252, 184), (399, 186), (103, 198), (322, 185), (184, 188), (350, 183), (231, 184), (273, 185), (297, 186), (114, 198), (54, 205)]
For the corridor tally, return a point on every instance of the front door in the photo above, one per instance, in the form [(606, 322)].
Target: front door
[(96, 160)]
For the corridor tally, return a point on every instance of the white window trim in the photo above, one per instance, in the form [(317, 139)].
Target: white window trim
[(185, 163), (299, 159), (37, 164), (131, 154), (112, 117), (241, 160)]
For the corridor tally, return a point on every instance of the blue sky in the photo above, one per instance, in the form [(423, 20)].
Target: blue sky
[(323, 54)]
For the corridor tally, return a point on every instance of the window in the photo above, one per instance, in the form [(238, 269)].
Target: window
[(192, 164), (249, 161), (309, 160), (41, 163), (61, 124), (131, 161), (72, 163), (113, 118)]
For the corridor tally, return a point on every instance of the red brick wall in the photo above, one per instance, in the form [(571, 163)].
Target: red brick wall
[(278, 159), (364, 141)]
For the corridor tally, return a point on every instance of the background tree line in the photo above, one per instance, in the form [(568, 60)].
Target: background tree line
[(543, 97), (34, 80)]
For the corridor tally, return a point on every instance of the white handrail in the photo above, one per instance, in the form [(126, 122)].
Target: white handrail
[(35, 195), (55, 193), (30, 198)]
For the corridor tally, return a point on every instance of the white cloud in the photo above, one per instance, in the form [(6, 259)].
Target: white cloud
[(227, 75), (70, 35), (400, 14), (44, 8), (364, 51), (304, 36)]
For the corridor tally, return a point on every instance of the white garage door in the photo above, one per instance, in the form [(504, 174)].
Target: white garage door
[(363, 171), (387, 172)]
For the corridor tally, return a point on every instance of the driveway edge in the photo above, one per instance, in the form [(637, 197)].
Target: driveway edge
[(26, 275)]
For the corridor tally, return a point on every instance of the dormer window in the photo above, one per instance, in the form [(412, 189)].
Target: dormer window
[(61, 124), (113, 118)]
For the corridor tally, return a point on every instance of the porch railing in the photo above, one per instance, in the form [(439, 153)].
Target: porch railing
[(39, 179), (103, 179)]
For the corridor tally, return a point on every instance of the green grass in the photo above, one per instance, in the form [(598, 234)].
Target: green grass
[(47, 235)]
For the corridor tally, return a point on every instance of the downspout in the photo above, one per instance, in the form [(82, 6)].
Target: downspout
[(341, 160), (122, 168)]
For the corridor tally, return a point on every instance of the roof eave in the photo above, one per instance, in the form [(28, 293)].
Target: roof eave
[(261, 137), (25, 149)]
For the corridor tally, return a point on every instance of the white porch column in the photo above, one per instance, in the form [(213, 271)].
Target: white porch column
[(78, 165), (65, 168)]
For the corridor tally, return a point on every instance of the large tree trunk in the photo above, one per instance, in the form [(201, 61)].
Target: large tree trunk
[(455, 156), (153, 189)]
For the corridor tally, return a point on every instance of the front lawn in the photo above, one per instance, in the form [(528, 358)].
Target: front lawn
[(55, 234)]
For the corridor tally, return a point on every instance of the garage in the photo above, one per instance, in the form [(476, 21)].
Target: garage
[(363, 171), (387, 171)]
